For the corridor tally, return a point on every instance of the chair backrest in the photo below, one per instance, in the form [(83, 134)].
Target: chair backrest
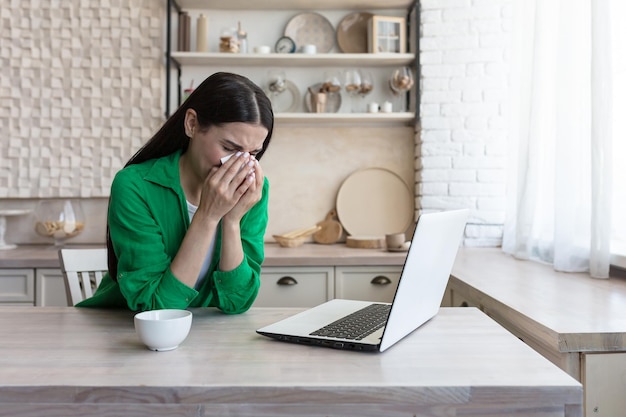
[(83, 270)]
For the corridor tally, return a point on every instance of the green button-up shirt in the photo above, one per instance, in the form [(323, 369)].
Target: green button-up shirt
[(148, 219)]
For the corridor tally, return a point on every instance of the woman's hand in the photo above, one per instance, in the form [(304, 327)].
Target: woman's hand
[(253, 185), (224, 186), (250, 187)]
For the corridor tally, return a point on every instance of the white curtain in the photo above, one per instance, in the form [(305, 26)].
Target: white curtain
[(559, 182)]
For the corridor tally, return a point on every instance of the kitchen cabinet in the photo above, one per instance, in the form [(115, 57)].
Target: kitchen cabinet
[(312, 285), (602, 374), (269, 18), (50, 286), (17, 286), (367, 283), (295, 286), (28, 286), (291, 277)]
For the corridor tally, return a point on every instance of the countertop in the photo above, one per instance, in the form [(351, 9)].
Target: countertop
[(571, 312), (309, 254), (64, 361)]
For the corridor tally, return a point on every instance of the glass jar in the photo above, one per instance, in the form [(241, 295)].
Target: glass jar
[(59, 219), (228, 41), (242, 38)]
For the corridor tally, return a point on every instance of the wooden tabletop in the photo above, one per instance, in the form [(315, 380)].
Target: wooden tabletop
[(309, 254), (63, 361), (573, 311)]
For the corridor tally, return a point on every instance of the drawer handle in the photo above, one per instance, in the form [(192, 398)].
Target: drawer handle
[(380, 280), (287, 281)]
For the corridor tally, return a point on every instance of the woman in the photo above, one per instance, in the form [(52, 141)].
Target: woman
[(184, 229)]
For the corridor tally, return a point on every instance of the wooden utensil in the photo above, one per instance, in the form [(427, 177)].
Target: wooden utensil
[(295, 238), (331, 230)]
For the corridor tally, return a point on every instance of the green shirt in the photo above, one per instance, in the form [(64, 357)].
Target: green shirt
[(148, 219)]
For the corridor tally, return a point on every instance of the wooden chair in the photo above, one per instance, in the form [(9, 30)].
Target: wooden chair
[(83, 270)]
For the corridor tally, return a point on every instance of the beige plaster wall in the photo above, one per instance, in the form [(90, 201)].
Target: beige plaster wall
[(305, 165)]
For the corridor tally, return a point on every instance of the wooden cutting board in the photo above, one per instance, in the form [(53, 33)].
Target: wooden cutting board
[(374, 202), (331, 230), (365, 242)]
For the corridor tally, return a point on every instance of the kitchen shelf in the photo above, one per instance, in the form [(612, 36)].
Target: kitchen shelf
[(294, 4), (354, 119), (295, 60), (179, 60)]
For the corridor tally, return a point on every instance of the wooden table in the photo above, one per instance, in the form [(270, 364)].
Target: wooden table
[(62, 361), (576, 321)]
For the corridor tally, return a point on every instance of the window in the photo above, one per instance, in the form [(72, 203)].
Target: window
[(618, 241)]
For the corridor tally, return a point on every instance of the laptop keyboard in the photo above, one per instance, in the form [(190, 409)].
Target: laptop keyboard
[(357, 325)]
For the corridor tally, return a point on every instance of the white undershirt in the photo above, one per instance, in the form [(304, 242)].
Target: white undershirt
[(207, 260)]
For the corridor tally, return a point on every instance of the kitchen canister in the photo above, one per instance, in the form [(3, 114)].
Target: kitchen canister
[(242, 38), (228, 41), (202, 34)]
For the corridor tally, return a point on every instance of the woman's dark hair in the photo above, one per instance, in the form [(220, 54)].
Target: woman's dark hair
[(221, 98)]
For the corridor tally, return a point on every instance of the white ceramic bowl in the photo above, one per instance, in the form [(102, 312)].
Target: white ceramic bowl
[(162, 330)]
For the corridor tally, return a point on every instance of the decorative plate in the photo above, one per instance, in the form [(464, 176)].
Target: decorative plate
[(287, 101), (333, 101), (374, 202), (311, 29), (352, 33)]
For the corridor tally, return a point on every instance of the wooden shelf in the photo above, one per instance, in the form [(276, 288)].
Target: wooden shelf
[(294, 60), (356, 119), (301, 61), (294, 4)]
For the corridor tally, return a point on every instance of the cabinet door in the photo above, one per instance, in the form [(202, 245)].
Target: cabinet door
[(604, 380), (17, 286), (368, 283), (457, 299), (295, 286), (50, 288)]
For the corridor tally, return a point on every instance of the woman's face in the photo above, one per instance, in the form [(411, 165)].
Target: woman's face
[(207, 147)]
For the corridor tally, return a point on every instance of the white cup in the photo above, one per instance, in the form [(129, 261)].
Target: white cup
[(373, 107), (309, 49), (262, 49), (387, 107)]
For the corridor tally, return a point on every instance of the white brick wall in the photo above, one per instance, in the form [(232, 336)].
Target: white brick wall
[(461, 150)]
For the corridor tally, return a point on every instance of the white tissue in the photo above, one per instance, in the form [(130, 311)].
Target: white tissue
[(226, 158)]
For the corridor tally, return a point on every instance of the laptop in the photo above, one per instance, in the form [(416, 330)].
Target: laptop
[(375, 326)]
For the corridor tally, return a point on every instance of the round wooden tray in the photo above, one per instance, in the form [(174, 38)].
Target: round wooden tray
[(374, 202)]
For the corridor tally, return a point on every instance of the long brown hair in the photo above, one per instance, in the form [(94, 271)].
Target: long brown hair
[(221, 98)]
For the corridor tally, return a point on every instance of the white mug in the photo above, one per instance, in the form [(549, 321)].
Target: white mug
[(373, 107), (263, 49), (309, 49), (387, 107)]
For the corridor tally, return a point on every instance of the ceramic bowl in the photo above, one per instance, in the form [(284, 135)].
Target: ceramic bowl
[(162, 330)]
